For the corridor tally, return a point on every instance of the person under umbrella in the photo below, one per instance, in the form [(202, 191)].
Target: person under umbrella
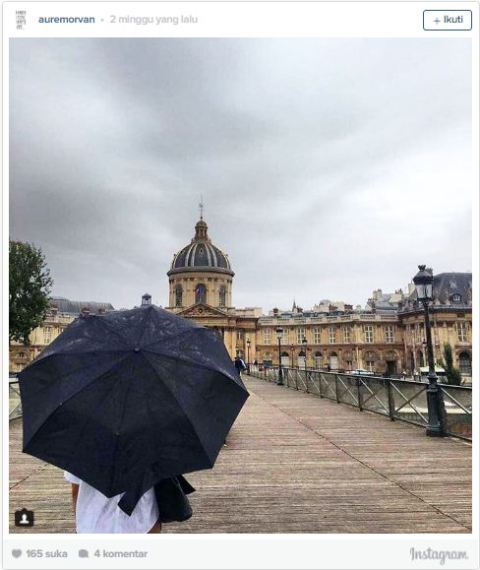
[(126, 403)]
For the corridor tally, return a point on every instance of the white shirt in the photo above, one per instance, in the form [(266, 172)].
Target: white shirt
[(99, 514)]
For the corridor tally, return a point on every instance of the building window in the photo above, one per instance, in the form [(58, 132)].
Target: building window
[(462, 331), (368, 333), (389, 333), (318, 359), (317, 336), (465, 363), (285, 335), (200, 293), (370, 361), (456, 298), (346, 334), (239, 335), (332, 335), (48, 335), (285, 359), (300, 335), (222, 296), (267, 336), (178, 296), (301, 362)]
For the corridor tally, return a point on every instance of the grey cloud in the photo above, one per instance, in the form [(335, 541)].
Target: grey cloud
[(328, 167)]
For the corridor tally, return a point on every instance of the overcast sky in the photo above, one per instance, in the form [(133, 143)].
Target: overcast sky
[(328, 168)]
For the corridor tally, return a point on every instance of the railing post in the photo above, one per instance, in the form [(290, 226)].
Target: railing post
[(336, 389), (359, 395), (391, 403), (320, 384), (436, 410), (306, 381), (296, 379)]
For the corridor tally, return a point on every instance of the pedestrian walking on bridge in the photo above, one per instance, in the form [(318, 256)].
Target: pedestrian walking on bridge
[(239, 365)]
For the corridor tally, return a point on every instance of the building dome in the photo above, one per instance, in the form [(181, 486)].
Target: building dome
[(200, 255)]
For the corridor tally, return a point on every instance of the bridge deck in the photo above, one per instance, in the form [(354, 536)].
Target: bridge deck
[(296, 463)]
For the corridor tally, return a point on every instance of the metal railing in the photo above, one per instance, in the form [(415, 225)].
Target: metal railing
[(14, 402), (404, 400)]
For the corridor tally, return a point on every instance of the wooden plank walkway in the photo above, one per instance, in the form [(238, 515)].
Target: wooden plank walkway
[(295, 463)]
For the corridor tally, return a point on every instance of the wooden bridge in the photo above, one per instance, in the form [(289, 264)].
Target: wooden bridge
[(295, 463)]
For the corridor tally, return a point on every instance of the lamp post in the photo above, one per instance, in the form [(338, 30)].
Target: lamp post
[(279, 332), (248, 356), (292, 348), (423, 281), (304, 345)]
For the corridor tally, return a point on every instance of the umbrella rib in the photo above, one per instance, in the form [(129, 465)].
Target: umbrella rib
[(142, 327), (114, 470), (113, 331), (186, 415)]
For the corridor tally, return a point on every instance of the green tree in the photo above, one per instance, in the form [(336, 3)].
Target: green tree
[(453, 374), (30, 285)]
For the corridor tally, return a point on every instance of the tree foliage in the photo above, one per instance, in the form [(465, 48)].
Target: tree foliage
[(30, 285), (453, 374)]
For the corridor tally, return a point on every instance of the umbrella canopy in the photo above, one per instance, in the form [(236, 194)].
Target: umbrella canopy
[(126, 399)]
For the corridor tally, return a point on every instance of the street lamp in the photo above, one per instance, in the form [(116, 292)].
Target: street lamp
[(248, 355), (423, 281), (304, 344), (279, 332)]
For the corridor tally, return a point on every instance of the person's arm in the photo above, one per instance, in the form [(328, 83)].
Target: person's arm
[(75, 497)]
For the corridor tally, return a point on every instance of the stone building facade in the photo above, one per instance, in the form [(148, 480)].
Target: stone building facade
[(60, 314), (451, 320), (386, 336), (338, 337), (200, 287)]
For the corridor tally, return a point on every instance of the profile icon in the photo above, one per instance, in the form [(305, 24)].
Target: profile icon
[(24, 518)]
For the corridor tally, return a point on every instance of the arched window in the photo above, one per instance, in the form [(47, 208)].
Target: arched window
[(465, 363), (222, 293), (301, 359), (178, 296), (200, 293), (333, 361), (285, 359)]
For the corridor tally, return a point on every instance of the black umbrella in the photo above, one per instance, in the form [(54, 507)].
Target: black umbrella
[(130, 398)]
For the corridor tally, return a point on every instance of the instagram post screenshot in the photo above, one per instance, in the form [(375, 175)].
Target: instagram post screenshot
[(240, 252)]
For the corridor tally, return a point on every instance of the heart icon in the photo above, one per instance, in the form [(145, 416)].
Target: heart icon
[(16, 552)]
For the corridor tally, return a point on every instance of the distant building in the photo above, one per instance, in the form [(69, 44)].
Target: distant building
[(338, 335), (451, 318), (386, 336), (385, 302), (200, 285), (60, 314)]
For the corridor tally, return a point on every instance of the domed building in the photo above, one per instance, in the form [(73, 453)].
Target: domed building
[(200, 274), (200, 287), (385, 337)]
